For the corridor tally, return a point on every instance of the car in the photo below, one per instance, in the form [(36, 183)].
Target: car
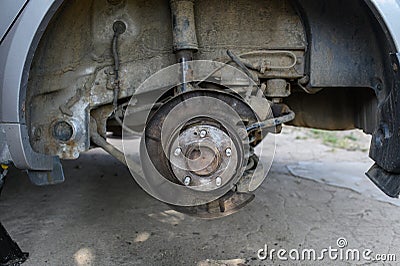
[(195, 87)]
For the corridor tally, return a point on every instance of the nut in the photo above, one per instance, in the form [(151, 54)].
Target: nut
[(63, 131)]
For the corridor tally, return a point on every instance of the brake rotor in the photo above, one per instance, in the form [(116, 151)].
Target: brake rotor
[(198, 141), (224, 206)]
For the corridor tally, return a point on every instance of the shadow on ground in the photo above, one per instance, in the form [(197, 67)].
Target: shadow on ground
[(99, 216)]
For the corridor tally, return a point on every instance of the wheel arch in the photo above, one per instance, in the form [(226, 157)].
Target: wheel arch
[(18, 48), (16, 54)]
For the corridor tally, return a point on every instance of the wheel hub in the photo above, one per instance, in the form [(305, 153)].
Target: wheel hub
[(199, 155)]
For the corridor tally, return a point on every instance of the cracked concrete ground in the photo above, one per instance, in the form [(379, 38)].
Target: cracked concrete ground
[(99, 216)]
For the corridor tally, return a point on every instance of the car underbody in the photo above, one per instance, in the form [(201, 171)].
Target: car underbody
[(127, 67)]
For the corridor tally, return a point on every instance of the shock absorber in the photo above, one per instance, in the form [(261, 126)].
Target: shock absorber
[(184, 36)]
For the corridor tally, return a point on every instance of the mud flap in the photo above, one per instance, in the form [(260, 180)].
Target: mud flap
[(389, 183), (385, 144), (10, 253), (43, 178)]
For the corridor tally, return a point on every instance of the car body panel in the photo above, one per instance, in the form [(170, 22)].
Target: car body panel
[(8, 14), (17, 51), (390, 13)]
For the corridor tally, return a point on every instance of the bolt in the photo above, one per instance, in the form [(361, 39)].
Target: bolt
[(187, 181), (63, 131), (228, 152), (382, 135), (178, 151), (203, 133), (37, 134), (218, 181)]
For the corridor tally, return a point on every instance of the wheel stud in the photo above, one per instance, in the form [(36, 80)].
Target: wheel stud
[(178, 151), (203, 133), (187, 181)]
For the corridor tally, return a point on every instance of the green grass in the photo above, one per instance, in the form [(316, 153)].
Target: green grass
[(332, 139)]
